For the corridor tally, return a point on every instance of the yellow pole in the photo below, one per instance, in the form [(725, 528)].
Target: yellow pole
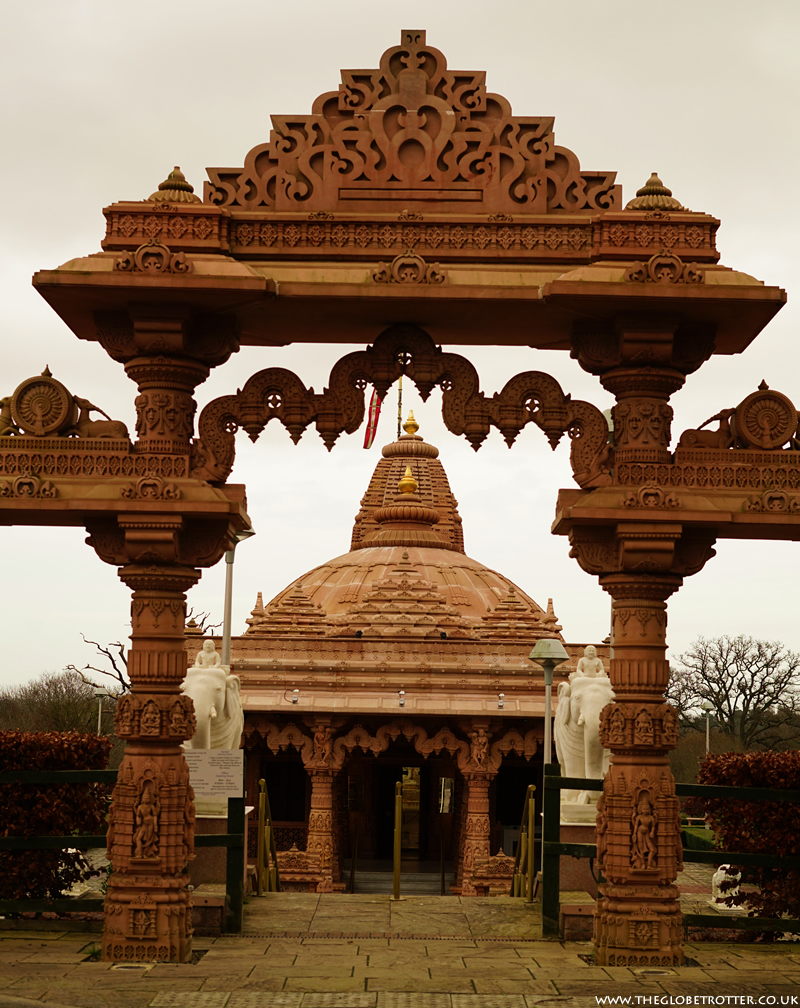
[(399, 404), (531, 844), (262, 784), (523, 860), (398, 834)]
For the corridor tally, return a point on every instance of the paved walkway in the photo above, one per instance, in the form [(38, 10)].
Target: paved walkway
[(453, 953)]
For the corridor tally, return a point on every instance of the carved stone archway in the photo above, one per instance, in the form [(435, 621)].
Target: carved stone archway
[(408, 194)]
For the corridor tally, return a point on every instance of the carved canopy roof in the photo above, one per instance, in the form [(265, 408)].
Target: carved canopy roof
[(413, 132)]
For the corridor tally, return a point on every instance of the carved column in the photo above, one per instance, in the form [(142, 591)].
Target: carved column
[(321, 838), (638, 918), (475, 842), (165, 405), (151, 829)]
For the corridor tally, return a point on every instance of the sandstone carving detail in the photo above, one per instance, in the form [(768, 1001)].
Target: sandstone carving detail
[(529, 397), (414, 130)]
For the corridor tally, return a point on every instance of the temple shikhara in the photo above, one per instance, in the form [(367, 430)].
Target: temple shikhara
[(409, 210)]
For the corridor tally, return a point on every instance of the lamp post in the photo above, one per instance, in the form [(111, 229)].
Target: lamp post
[(100, 692), (708, 707), (549, 652), (226, 619)]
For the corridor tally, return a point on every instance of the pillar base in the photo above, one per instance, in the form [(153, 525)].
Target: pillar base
[(147, 919), (638, 926)]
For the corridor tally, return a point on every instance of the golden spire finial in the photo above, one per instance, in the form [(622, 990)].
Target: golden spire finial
[(411, 426), (174, 189), (407, 485)]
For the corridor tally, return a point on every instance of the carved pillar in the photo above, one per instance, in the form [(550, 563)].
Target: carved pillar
[(151, 828), (165, 405), (638, 918), (477, 828), (321, 837)]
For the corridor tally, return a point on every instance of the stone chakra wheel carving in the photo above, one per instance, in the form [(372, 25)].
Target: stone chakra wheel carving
[(766, 419), (41, 406)]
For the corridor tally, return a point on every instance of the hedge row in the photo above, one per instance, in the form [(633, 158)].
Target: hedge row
[(758, 827), (49, 809)]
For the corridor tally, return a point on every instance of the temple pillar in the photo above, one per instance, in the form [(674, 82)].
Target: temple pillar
[(321, 837), (477, 828), (165, 405), (151, 826), (638, 917)]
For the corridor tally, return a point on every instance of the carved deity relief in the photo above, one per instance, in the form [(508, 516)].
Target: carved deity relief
[(643, 728), (479, 746), (146, 822), (323, 744), (644, 852), (616, 729), (150, 719)]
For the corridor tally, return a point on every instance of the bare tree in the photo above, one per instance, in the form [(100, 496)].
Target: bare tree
[(752, 685), (116, 664)]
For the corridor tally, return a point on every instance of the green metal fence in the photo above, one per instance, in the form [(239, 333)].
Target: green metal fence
[(233, 840), (554, 850)]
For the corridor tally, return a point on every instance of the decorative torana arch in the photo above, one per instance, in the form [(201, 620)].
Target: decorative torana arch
[(529, 397), (409, 194)]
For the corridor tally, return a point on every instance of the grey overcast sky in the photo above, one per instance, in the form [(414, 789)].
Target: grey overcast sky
[(101, 99)]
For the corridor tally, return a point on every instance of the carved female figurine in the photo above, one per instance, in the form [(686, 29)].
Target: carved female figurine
[(145, 834), (616, 733), (322, 743), (643, 846), (480, 746)]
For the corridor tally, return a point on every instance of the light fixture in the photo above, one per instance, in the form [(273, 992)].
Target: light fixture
[(402, 695), (501, 700), (549, 652), (294, 697)]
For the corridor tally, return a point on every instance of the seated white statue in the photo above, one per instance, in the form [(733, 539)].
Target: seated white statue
[(207, 656), (217, 704), (589, 664)]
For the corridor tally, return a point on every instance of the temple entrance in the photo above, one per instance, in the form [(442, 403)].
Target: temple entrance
[(428, 788)]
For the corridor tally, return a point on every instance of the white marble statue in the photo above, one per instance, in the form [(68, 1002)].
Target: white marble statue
[(725, 873), (217, 704), (577, 725)]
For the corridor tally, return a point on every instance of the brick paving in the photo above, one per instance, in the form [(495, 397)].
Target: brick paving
[(463, 953)]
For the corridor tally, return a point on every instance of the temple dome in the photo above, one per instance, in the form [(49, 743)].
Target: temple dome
[(406, 574)]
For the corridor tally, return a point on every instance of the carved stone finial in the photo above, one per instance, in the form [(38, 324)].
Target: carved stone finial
[(174, 189), (47, 373), (763, 386), (407, 485), (654, 195), (411, 426)]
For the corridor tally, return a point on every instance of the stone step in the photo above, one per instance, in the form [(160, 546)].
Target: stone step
[(416, 883)]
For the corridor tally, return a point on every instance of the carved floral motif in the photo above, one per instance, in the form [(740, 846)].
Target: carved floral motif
[(412, 130)]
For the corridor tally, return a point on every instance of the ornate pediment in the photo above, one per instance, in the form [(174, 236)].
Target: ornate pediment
[(410, 136)]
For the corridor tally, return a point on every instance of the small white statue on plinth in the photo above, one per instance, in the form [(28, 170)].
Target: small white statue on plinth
[(577, 734), (725, 873), (218, 709)]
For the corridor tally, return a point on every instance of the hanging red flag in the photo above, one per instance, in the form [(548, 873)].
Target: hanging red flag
[(372, 419)]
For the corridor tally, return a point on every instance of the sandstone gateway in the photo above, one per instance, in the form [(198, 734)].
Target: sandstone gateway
[(408, 210)]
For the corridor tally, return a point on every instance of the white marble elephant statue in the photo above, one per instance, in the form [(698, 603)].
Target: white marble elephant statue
[(217, 707), (576, 731)]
